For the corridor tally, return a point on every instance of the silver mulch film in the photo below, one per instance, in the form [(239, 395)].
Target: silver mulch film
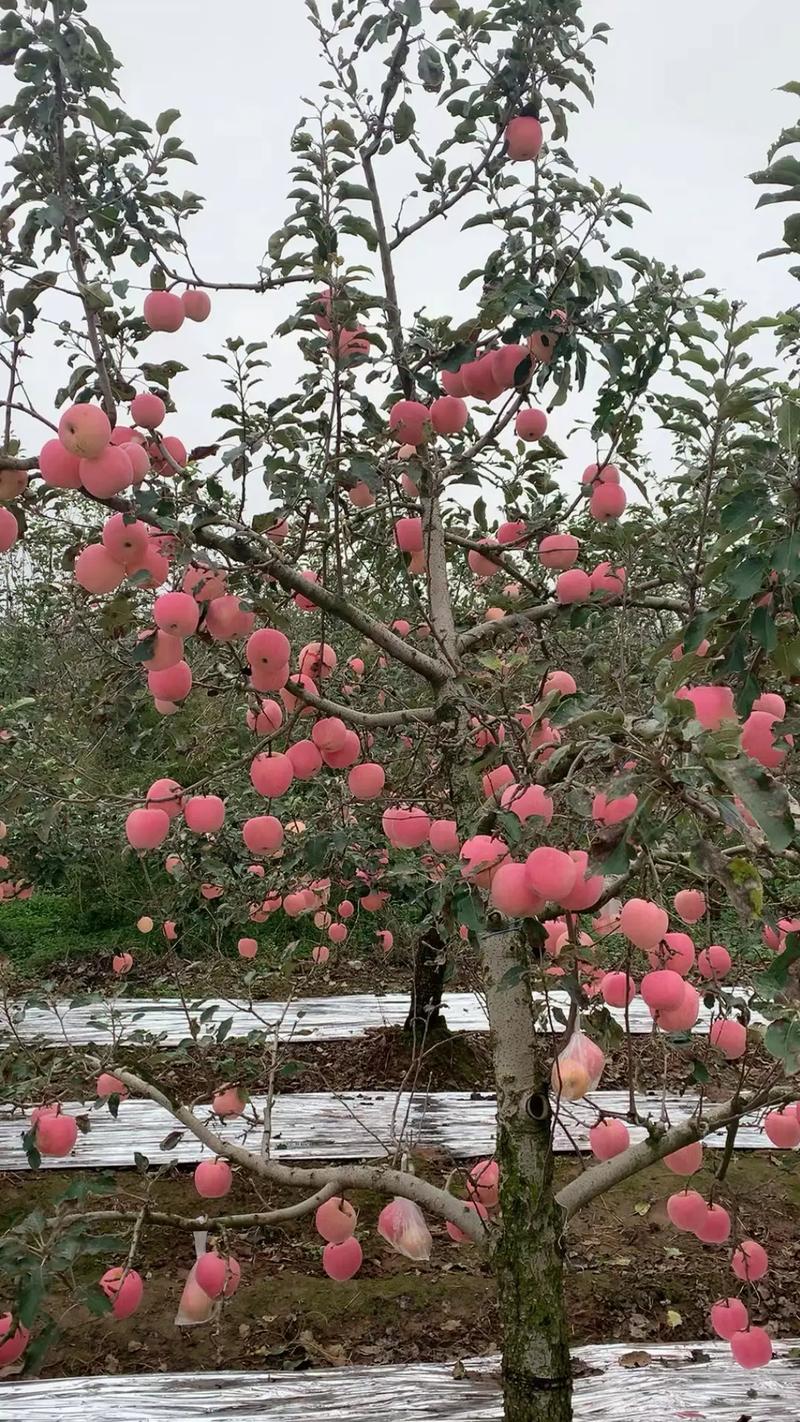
[(307, 1019), (670, 1384), (353, 1125)]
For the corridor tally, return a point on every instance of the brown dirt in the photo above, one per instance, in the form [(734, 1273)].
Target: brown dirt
[(351, 969), (630, 1276)]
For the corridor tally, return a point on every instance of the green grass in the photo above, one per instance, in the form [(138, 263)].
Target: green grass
[(55, 935), (50, 933), (55, 938)]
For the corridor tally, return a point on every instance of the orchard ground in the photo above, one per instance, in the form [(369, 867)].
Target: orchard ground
[(630, 1277)]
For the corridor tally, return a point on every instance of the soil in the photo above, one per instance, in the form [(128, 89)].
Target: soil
[(630, 1276), (350, 969)]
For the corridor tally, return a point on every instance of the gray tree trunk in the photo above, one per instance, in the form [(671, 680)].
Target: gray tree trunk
[(528, 1256)]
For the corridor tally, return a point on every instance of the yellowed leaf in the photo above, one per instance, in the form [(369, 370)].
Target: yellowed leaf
[(642, 1207), (673, 1318)]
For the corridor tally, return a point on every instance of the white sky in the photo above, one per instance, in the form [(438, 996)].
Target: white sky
[(685, 108)]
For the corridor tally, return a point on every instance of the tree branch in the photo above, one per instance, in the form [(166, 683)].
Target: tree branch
[(243, 1221), (487, 632), (441, 606), (393, 317), (73, 239), (239, 550), (600, 1178), (340, 1177), (368, 719)]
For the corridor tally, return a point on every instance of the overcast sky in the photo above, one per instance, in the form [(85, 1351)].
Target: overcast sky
[(686, 105)]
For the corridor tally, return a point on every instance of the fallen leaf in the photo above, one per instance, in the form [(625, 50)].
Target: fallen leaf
[(639, 1327), (638, 1359), (673, 1318), (642, 1207)]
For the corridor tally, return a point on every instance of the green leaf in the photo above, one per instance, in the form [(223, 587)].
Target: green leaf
[(404, 122), (614, 863), (614, 357), (782, 1041), (568, 708), (785, 172), (140, 254), (786, 555), (355, 192), (29, 1299), (481, 219), (698, 357), (743, 510), (763, 629), (345, 131), (512, 976), (466, 911), (30, 1148), (696, 631), (777, 975), (789, 424), (105, 1244), (39, 1345), (20, 705), (791, 230), (165, 121), (315, 850), (96, 1301), (430, 70), (359, 227), (764, 797), (633, 200), (786, 657), (746, 578)]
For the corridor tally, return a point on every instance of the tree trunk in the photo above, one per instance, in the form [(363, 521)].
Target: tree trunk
[(528, 1255), (430, 965)]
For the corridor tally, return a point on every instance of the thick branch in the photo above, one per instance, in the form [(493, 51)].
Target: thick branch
[(601, 1178), (73, 238), (12, 461), (341, 1177), (25, 410), (485, 633), (243, 1221), (241, 551), (488, 632), (441, 607), (393, 317), (370, 720)]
